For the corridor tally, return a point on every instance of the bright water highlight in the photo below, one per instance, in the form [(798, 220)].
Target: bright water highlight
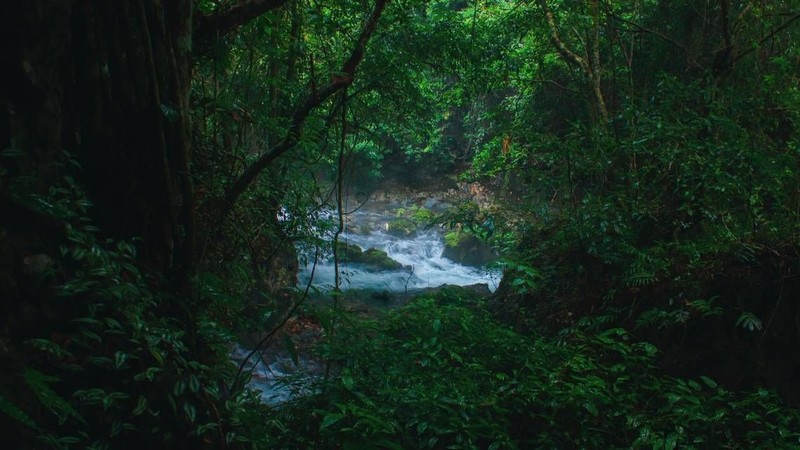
[(421, 252)]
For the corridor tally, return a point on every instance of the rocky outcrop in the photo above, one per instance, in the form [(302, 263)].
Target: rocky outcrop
[(372, 259)]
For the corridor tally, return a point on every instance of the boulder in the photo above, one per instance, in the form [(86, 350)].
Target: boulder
[(378, 261), (469, 251), (372, 259)]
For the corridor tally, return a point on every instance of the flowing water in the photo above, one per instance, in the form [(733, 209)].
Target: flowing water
[(278, 379), (420, 253)]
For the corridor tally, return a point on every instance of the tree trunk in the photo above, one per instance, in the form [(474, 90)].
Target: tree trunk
[(108, 82)]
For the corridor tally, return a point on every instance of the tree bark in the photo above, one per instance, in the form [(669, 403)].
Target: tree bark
[(589, 64), (109, 82)]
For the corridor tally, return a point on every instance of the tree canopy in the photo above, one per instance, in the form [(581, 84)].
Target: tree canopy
[(166, 166)]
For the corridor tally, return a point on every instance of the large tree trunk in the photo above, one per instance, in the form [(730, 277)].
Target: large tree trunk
[(108, 82)]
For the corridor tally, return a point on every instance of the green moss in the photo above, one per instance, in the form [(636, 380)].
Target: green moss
[(373, 259), (349, 252), (402, 227), (422, 215), (379, 260), (453, 238), (408, 220)]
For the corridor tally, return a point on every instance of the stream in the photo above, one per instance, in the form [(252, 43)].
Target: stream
[(276, 377), (420, 253)]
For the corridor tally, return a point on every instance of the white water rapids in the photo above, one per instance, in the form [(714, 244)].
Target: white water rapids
[(277, 379), (422, 252)]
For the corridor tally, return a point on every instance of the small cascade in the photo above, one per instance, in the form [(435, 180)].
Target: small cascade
[(420, 254)]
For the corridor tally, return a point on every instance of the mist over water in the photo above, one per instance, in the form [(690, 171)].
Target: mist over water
[(421, 253)]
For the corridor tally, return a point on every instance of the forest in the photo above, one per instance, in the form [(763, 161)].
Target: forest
[(400, 224)]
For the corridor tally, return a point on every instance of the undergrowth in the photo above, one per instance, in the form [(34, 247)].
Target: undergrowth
[(439, 374)]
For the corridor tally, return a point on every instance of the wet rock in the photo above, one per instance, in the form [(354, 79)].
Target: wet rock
[(401, 227), (469, 251), (379, 260), (372, 259), (349, 252)]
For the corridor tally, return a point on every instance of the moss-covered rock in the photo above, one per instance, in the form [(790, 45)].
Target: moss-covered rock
[(401, 227), (349, 252), (372, 259), (409, 220), (466, 249), (378, 261)]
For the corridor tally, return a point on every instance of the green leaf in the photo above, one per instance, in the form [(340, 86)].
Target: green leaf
[(179, 388), (347, 380), (157, 355), (140, 406), (749, 321), (194, 383), (39, 384), (12, 153), (671, 441), (119, 359), (330, 419), (15, 413), (191, 411), (709, 382)]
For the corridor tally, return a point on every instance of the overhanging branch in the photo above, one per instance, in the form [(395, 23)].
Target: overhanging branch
[(304, 108), (767, 37), (219, 23)]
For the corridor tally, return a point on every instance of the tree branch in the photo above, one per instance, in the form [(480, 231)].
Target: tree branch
[(315, 98), (220, 23), (590, 64), (559, 43), (769, 36), (662, 36)]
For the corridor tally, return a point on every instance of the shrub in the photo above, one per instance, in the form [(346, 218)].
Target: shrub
[(434, 375)]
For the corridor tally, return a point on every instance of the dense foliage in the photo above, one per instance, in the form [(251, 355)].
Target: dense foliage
[(166, 167), (441, 373)]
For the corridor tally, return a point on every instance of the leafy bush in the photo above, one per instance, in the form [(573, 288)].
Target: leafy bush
[(117, 368), (434, 375)]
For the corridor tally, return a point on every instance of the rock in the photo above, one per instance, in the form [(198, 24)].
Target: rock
[(469, 251), (401, 227), (379, 260), (349, 252), (372, 259)]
